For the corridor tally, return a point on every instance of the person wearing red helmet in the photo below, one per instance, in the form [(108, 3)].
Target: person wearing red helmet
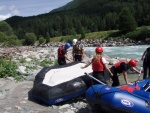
[(62, 54), (99, 64), (122, 67)]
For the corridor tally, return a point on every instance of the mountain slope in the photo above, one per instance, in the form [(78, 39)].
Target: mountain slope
[(71, 5)]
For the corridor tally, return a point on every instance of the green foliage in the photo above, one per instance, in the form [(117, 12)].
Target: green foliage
[(3, 37), (7, 68), (12, 40), (30, 38), (140, 34), (41, 40), (47, 37), (45, 62), (93, 16), (56, 62), (127, 22), (5, 28), (21, 60)]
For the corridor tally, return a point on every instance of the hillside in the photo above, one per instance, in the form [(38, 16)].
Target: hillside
[(81, 17), (69, 6)]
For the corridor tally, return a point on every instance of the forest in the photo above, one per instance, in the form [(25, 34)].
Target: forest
[(84, 17)]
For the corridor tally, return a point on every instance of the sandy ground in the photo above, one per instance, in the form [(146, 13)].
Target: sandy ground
[(14, 97)]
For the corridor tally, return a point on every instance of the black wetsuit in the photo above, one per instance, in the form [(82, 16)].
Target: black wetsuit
[(120, 69), (146, 63)]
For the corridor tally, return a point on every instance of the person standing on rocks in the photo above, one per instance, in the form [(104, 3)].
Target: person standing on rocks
[(122, 67), (146, 62), (77, 51), (62, 54), (99, 64)]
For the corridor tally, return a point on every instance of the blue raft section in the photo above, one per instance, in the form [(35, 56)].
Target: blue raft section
[(107, 99)]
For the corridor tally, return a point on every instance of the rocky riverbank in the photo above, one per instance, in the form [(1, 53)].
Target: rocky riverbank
[(15, 96)]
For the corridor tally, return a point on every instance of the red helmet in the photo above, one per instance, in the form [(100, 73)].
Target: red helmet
[(132, 62), (99, 49)]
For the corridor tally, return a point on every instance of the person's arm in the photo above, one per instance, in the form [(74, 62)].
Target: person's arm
[(143, 54), (82, 53), (133, 68), (126, 77), (106, 66), (66, 57), (73, 53), (86, 65)]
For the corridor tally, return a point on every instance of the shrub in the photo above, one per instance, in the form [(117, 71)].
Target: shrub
[(7, 68)]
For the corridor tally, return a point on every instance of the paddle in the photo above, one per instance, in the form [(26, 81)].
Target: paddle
[(94, 78)]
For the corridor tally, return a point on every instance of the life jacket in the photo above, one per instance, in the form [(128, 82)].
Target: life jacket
[(98, 65), (77, 49), (118, 63), (60, 54)]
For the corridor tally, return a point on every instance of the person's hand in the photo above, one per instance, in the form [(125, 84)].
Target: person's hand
[(130, 83), (71, 60), (111, 74)]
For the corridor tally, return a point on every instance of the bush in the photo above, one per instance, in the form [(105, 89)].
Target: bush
[(7, 68)]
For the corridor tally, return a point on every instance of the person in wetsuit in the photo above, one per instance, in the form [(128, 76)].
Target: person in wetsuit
[(146, 63), (123, 67)]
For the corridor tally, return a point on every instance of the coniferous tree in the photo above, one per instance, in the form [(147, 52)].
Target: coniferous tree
[(47, 37), (127, 22)]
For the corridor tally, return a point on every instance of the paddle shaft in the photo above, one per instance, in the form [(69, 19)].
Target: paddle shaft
[(95, 79)]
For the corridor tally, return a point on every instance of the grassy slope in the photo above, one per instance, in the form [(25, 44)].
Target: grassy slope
[(94, 35)]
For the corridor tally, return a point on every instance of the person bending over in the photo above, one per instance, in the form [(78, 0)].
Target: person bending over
[(122, 67)]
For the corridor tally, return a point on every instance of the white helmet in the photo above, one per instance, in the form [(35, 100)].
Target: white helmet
[(74, 41)]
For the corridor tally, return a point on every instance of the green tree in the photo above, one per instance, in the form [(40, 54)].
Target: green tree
[(12, 40), (41, 40), (30, 38), (5, 28), (3, 37), (127, 22), (47, 37)]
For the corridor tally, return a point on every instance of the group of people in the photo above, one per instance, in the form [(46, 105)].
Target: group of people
[(77, 52), (99, 63)]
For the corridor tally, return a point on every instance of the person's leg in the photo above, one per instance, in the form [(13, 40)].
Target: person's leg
[(149, 69), (98, 76), (144, 69), (76, 58), (80, 58), (115, 78), (61, 61)]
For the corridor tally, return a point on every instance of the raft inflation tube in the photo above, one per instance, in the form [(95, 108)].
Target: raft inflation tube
[(57, 84), (109, 99)]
